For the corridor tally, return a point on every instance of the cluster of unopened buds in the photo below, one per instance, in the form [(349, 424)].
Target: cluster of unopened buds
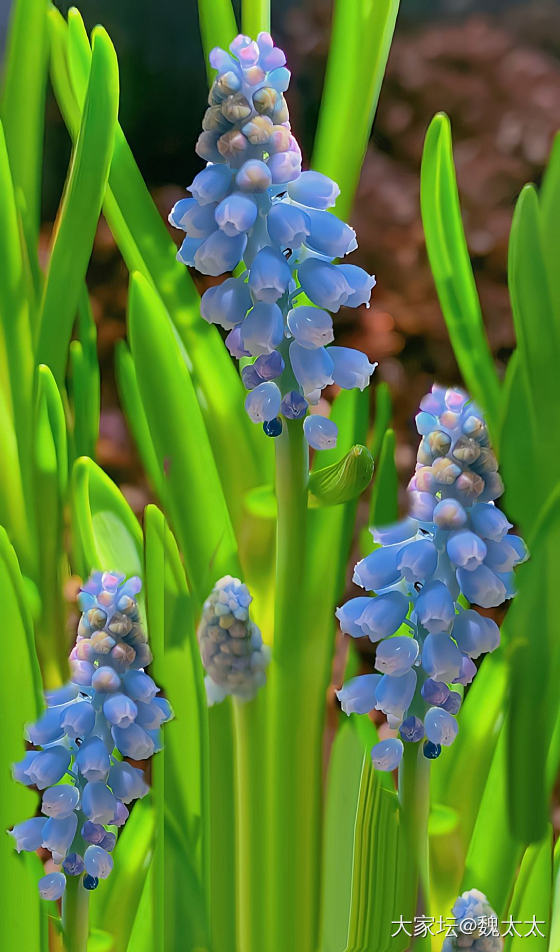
[(231, 645), (455, 543), (110, 710), (253, 204)]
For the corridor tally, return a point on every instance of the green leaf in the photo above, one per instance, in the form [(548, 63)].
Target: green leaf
[(223, 857), (218, 27), (518, 448), (383, 414), (532, 898), (131, 402), (255, 17), (451, 268), (343, 784), (180, 771), (115, 906), (200, 516), (85, 381), (550, 212), (342, 481), (23, 101), (361, 38), (105, 527), (554, 940), (81, 205), (533, 611), (22, 700), (384, 499)]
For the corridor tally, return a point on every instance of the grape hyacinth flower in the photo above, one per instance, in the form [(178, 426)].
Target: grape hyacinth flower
[(455, 544), (231, 645), (110, 709), (476, 925), (253, 204)]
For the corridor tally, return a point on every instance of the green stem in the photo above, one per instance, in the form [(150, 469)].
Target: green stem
[(222, 826), (294, 761), (75, 915), (255, 17), (414, 799), (249, 722)]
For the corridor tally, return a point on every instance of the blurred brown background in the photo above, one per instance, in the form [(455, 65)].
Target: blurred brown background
[(494, 67)]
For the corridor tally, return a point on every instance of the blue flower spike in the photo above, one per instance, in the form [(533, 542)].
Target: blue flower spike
[(476, 927), (231, 645), (455, 545), (253, 211), (111, 709)]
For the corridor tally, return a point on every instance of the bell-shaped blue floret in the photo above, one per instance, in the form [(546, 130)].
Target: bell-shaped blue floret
[(394, 694), (441, 658), (60, 801), (475, 634), (417, 561), (98, 862), (434, 607), (47, 729), (449, 514), (382, 615), (140, 686), (357, 696), (78, 719), (377, 570), (466, 550), (198, 221), (502, 556), (435, 692), (81, 672), (311, 326), (312, 368), (52, 886), (399, 532), (324, 283), (235, 214), (73, 865), (387, 754), (294, 406), (29, 834), (349, 613), (351, 368), (263, 403), (452, 702), (482, 587), (218, 253), (440, 726), (320, 432), (412, 729), (212, 184), (467, 671), (421, 505), (254, 176), (489, 522), (120, 710), (269, 276), (92, 759), (263, 329), (361, 284), (329, 235), (227, 303), (133, 742), (151, 716), (127, 782), (287, 225), (48, 767), (59, 833), (396, 655), (314, 190), (98, 803), (105, 680)]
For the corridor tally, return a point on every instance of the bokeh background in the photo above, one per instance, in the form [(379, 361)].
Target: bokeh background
[(493, 66)]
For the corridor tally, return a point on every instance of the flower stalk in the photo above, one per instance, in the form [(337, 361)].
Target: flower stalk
[(75, 916)]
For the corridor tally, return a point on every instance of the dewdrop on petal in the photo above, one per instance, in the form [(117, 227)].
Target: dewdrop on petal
[(110, 709), (231, 646)]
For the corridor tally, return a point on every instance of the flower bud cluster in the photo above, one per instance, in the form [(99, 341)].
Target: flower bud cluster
[(455, 543), (110, 710), (231, 645), (476, 925), (252, 203)]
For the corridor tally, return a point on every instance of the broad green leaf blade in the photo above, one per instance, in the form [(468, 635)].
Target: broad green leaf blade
[(80, 207), (106, 530), (550, 215), (255, 17), (218, 26), (196, 501), (13, 513), (23, 101), (518, 448), (343, 785), (23, 703), (383, 413), (383, 508), (131, 402), (180, 771), (223, 872), (361, 38), (452, 271), (141, 937), (114, 906), (342, 481), (85, 381), (532, 899), (533, 649)]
